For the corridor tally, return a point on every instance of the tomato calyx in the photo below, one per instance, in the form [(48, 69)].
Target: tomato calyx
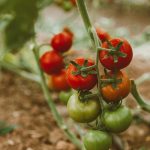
[(85, 95), (114, 105), (83, 70), (115, 51), (111, 80)]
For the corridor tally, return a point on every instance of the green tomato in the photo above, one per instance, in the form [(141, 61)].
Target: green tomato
[(97, 140), (67, 6), (117, 120), (64, 96), (83, 112)]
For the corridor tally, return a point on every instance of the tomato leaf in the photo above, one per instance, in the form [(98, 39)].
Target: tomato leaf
[(21, 28)]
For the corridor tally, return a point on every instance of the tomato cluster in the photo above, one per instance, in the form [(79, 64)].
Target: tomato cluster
[(114, 55), (52, 62), (82, 75)]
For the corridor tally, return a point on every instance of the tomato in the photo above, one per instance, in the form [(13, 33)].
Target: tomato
[(108, 61), (62, 42), (51, 62), (83, 112), (117, 120), (122, 89), (78, 82), (97, 140), (102, 34), (59, 81), (64, 96)]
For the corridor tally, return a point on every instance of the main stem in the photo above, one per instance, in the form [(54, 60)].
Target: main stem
[(54, 111), (95, 41)]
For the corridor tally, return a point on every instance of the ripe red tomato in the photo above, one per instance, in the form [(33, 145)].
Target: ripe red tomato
[(51, 62), (107, 60), (79, 82), (115, 94), (59, 81), (62, 42), (102, 34)]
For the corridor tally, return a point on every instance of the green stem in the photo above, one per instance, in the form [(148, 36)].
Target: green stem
[(95, 41), (90, 96), (15, 69), (54, 111), (83, 11), (138, 98), (88, 68)]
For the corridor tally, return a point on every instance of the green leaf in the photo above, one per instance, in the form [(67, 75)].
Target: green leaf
[(21, 28)]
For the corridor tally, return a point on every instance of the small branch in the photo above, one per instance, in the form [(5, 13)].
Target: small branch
[(145, 106), (54, 111), (88, 68), (111, 80), (15, 69), (83, 11), (90, 96), (106, 49)]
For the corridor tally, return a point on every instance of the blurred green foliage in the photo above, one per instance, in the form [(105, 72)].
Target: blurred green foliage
[(20, 28)]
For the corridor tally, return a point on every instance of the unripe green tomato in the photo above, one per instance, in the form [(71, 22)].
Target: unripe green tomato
[(117, 120), (67, 5), (97, 140), (83, 112), (64, 96)]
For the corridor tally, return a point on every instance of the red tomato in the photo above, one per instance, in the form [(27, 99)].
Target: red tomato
[(108, 60), (112, 94), (51, 62), (59, 81), (102, 34), (79, 82), (62, 42)]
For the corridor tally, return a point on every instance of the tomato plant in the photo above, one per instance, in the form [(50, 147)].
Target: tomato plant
[(51, 62), (81, 81), (59, 81), (118, 57), (97, 140), (83, 111), (114, 92), (117, 120), (82, 74), (62, 42)]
